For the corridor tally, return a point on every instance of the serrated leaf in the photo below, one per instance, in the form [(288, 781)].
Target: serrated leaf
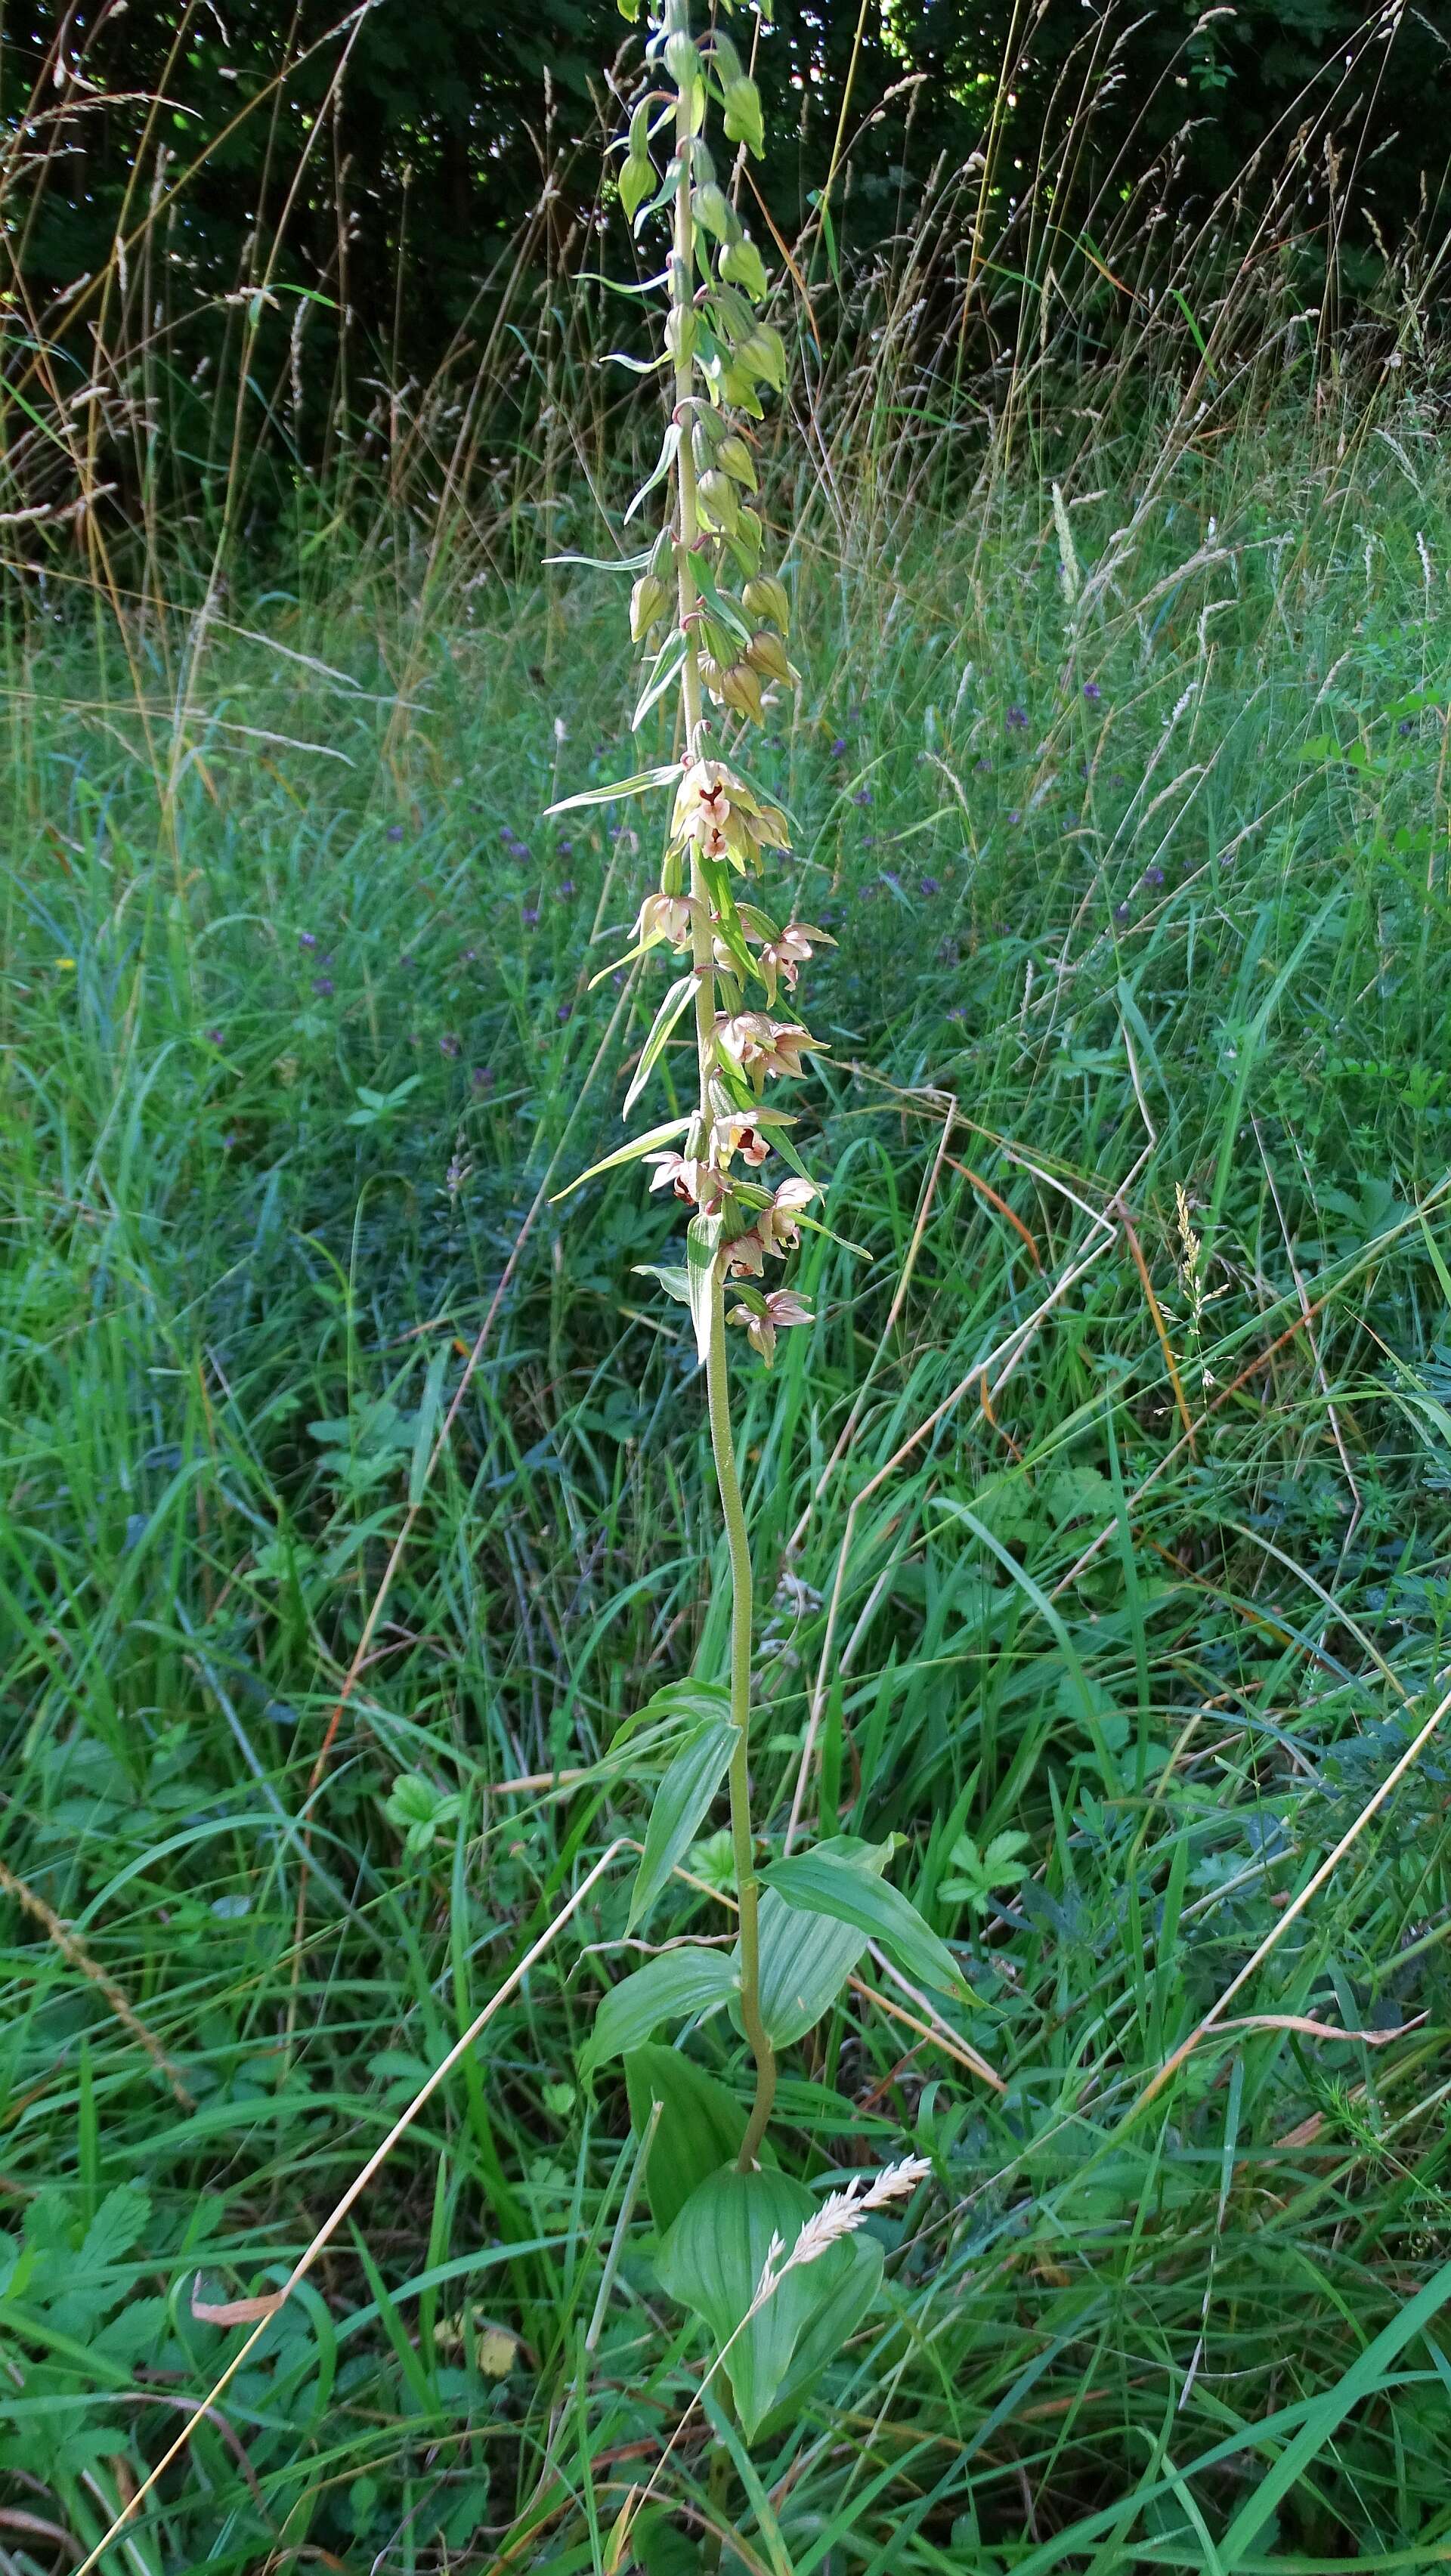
[(630, 1153), (712, 2262), (115, 2228), (700, 2128), (681, 1801), (702, 1238), (677, 1001), (821, 1882), (674, 1987)]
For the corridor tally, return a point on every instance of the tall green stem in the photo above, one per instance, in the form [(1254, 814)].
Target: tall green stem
[(717, 1375)]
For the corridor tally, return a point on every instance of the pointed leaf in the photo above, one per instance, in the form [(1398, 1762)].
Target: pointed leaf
[(676, 1002), (680, 1804), (712, 2261), (674, 1281), (806, 1960), (702, 1236), (822, 1882), (674, 1987), (639, 785), (663, 463), (700, 2128), (630, 1153)]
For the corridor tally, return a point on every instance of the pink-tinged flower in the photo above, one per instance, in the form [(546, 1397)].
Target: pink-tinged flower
[(787, 954), (665, 916), (757, 1043), (738, 1136), (701, 800), (745, 1256), (777, 1223), (677, 1172), (780, 1309)]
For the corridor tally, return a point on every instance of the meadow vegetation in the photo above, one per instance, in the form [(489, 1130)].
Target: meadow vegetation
[(357, 1495)]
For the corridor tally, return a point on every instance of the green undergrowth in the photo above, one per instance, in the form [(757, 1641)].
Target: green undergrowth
[(1137, 858)]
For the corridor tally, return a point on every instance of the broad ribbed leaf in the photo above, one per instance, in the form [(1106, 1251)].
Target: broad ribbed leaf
[(832, 2325), (712, 2261), (700, 2128), (824, 1882), (674, 1987), (805, 1960), (680, 1803)]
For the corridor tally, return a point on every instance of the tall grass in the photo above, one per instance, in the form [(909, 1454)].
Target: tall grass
[(1105, 1508), (1149, 888)]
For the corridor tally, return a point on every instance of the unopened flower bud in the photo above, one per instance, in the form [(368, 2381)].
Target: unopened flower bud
[(741, 262), (741, 690), (767, 653), (649, 600), (712, 208), (637, 182), (681, 59), (736, 459), (743, 115), (681, 332), (767, 598), (717, 496), (764, 351)]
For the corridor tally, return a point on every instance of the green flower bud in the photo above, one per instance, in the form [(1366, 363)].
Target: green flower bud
[(712, 208), (672, 872), (737, 387), (744, 541), (662, 559), (741, 690), (705, 431), (766, 597), (767, 653), (681, 59), (743, 115), (640, 131), (717, 496), (740, 261), (637, 182), (764, 351), (681, 332), (648, 602), (725, 61), (734, 455)]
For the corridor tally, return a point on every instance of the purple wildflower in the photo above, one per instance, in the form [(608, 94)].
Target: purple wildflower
[(1015, 816), (566, 849), (531, 915), (215, 1038), (483, 1077), (929, 885), (838, 747), (307, 939), (1153, 876), (449, 1045), (1120, 912), (863, 796), (565, 1011), (1016, 720), (395, 832), (322, 985), (1092, 692), (566, 889)]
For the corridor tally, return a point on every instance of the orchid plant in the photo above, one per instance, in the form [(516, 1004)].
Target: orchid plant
[(715, 623)]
